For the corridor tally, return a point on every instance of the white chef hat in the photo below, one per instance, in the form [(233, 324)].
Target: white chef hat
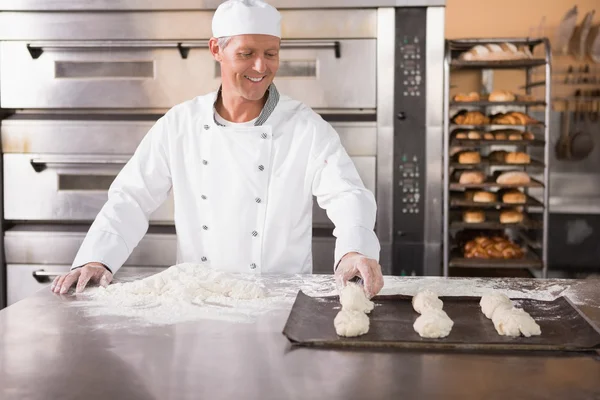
[(243, 17)]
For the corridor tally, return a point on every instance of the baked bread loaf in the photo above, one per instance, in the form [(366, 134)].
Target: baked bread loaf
[(495, 247), (501, 95), (517, 157), (515, 136), (511, 217), (473, 216), (461, 135), (500, 135), (482, 196), (496, 52), (513, 178), (474, 135), (512, 118), (471, 177), (473, 96), (488, 136), (469, 157), (497, 156), (528, 135), (514, 197)]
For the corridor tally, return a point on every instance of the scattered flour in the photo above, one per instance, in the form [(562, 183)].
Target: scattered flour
[(191, 292)]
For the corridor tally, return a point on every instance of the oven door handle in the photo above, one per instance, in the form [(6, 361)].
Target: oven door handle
[(40, 164), (313, 44), (37, 48), (44, 277)]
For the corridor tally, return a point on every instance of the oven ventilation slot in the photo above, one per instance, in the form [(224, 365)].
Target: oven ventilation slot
[(113, 69), (85, 182)]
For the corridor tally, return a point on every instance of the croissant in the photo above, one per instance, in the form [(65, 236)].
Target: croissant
[(492, 248)]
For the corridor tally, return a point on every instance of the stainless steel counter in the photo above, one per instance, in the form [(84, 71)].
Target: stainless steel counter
[(52, 350)]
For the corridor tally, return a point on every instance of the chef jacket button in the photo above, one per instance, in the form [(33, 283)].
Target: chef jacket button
[(203, 197), (254, 233), (252, 266), (206, 127), (261, 168), (204, 259), (263, 135), (258, 200), (205, 227), (204, 162)]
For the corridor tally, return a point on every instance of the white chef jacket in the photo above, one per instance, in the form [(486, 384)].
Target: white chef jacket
[(242, 195)]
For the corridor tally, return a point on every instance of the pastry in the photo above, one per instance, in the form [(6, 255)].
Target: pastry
[(488, 136), (515, 136), (511, 217), (517, 157), (528, 135), (501, 95), (513, 178), (474, 135), (514, 197), (470, 118), (471, 177), (469, 157), (500, 135), (461, 135), (473, 96), (492, 248), (484, 197), (473, 216)]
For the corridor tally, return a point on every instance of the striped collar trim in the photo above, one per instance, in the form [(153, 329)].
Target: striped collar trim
[(272, 100)]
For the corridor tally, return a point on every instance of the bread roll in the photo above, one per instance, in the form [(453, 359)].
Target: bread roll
[(515, 136), (511, 217), (461, 135), (484, 197), (471, 177), (517, 157), (513, 178), (473, 216), (501, 95), (474, 135), (469, 157), (488, 136), (473, 96), (528, 135), (514, 197), (500, 136), (497, 156)]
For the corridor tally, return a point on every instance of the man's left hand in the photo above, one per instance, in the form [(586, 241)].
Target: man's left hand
[(355, 264)]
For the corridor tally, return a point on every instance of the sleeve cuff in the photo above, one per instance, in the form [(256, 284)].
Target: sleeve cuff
[(357, 239), (102, 247)]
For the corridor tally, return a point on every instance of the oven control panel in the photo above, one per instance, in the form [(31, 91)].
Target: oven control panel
[(409, 142)]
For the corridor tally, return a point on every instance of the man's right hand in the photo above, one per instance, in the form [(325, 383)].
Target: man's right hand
[(94, 272)]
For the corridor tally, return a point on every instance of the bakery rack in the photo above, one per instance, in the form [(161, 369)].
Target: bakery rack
[(531, 234)]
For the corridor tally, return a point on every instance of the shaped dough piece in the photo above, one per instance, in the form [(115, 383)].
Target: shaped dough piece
[(426, 299), (515, 321), (433, 323), (489, 303), (353, 298), (351, 323)]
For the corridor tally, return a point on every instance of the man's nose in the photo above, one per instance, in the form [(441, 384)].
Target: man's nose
[(259, 65)]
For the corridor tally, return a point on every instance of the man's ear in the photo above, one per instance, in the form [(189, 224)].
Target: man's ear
[(214, 49)]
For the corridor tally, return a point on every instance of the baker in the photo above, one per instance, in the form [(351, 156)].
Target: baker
[(243, 164)]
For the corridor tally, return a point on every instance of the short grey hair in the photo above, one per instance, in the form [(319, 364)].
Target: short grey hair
[(222, 42)]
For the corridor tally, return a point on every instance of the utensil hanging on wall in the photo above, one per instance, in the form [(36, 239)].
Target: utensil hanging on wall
[(565, 31), (577, 44)]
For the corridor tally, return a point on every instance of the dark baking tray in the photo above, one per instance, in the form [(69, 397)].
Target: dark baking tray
[(564, 328), (529, 260), (460, 201), (483, 142), (485, 103), (484, 161), (493, 126), (490, 183), (500, 64), (492, 221)]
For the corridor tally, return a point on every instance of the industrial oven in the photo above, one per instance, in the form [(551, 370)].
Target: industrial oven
[(82, 82)]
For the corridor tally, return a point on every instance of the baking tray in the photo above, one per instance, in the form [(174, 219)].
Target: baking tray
[(500, 64), (491, 183), (460, 201), (482, 142), (494, 126), (564, 327), (485, 103), (486, 162), (530, 260), (492, 222)]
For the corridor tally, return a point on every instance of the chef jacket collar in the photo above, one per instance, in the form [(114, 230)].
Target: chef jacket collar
[(269, 107)]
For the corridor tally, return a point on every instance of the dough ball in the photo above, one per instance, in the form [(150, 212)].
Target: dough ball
[(515, 321), (489, 303), (426, 299), (433, 323), (351, 323), (353, 298)]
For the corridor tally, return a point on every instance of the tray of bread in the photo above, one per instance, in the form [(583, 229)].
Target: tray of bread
[(465, 179), (500, 55), (487, 248), (493, 220), (489, 199), (498, 158), (495, 98), (474, 118)]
